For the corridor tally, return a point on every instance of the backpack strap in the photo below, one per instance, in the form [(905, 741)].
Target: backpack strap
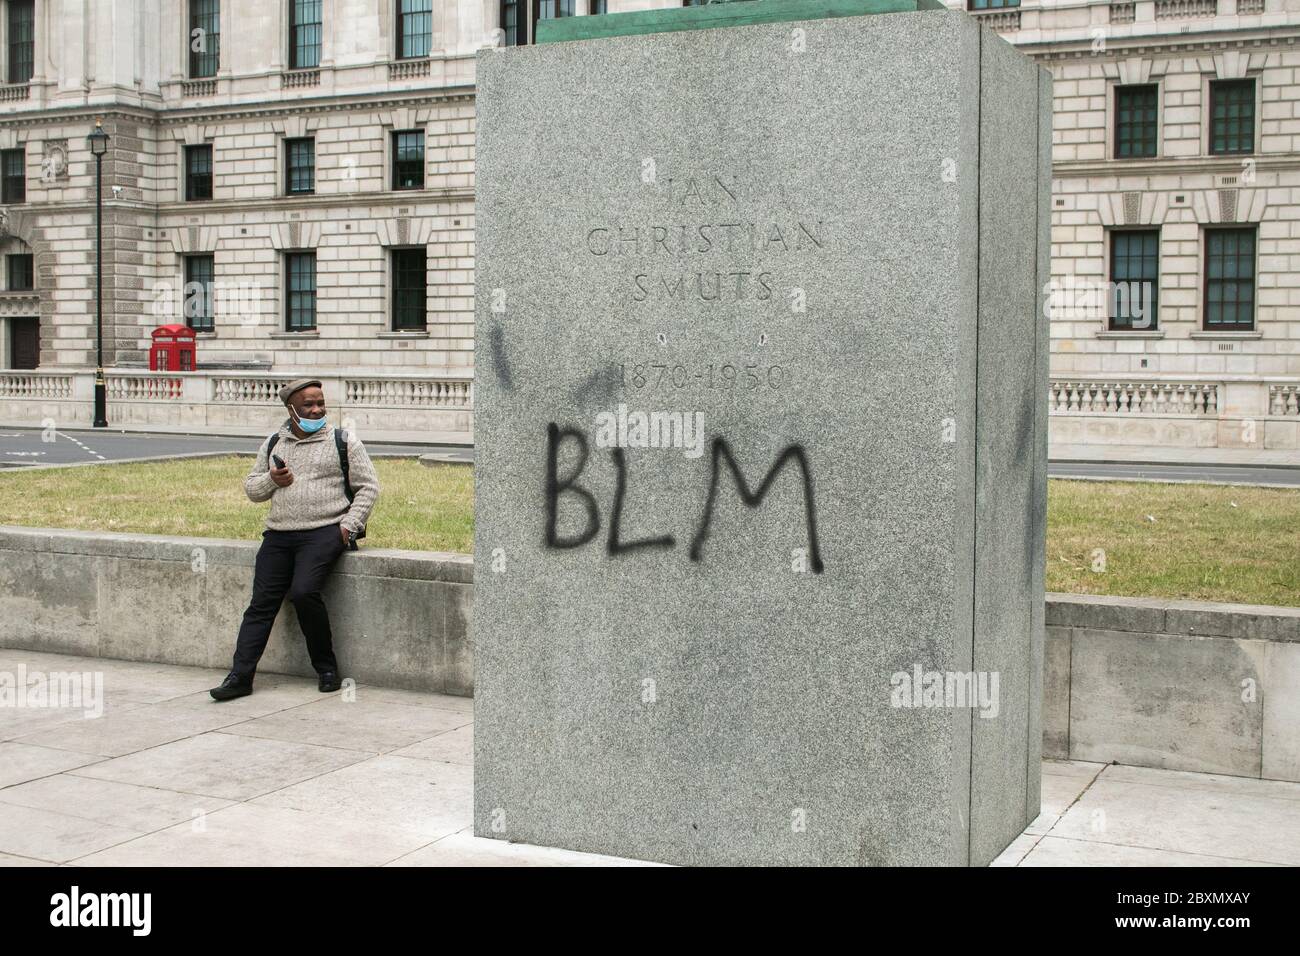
[(341, 443), (270, 445)]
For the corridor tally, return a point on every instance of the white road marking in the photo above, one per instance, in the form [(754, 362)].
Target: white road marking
[(85, 448)]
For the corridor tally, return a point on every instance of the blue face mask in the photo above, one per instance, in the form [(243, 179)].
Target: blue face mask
[(309, 425)]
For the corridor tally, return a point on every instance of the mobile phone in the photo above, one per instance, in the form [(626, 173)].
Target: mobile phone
[(279, 462)]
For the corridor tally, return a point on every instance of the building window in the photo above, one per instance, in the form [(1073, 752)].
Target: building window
[(304, 34), (22, 274), (300, 291), (199, 272), (1135, 279), (551, 9), (519, 17), (205, 37), (22, 42), (13, 175), (597, 6), (1230, 279), (408, 159), (414, 28), (299, 166), (1135, 120), (198, 172), (991, 4), (1232, 116), (409, 290), (513, 22)]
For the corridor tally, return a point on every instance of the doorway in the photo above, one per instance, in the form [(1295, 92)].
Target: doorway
[(24, 343)]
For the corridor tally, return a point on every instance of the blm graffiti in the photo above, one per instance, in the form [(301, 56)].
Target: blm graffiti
[(568, 487)]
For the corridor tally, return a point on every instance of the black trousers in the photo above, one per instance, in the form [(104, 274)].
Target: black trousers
[(291, 564)]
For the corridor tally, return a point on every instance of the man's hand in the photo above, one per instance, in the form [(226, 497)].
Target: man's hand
[(344, 532), (282, 476)]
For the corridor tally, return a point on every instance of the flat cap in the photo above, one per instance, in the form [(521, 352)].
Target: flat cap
[(297, 385)]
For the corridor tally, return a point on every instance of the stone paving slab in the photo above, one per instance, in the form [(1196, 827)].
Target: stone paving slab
[(289, 776)]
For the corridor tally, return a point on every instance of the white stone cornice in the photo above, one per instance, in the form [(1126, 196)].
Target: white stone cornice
[(424, 102), (191, 134), (295, 235), (1181, 166), (295, 125), (1066, 51), (1216, 206), (405, 231), (186, 240), (1231, 65), (1134, 69)]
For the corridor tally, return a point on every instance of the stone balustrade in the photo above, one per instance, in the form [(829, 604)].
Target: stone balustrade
[(1183, 9), (367, 401), (1159, 398)]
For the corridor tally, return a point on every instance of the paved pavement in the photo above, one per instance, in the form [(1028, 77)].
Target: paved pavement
[(288, 776), (33, 446)]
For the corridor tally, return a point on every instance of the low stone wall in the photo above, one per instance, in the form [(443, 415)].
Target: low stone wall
[(1181, 685), (400, 618)]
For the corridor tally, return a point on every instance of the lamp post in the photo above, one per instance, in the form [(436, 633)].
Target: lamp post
[(98, 143)]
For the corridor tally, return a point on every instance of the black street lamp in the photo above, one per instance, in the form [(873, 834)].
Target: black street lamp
[(98, 143)]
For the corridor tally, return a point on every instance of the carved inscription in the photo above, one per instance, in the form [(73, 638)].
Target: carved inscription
[(713, 244)]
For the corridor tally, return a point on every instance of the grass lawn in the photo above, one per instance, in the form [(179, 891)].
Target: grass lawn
[(1203, 542), (420, 508)]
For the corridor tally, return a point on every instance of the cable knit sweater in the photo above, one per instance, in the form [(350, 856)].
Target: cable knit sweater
[(316, 497)]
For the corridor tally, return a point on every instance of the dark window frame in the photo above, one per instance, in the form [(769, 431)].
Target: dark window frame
[(414, 30), (409, 298), (981, 5), (409, 166), (1137, 138), (206, 321), (305, 34), (205, 15), (514, 18), (13, 175), (23, 264), (1120, 241), (304, 174), (20, 40), (1241, 140), (198, 180), (1236, 283), (300, 300)]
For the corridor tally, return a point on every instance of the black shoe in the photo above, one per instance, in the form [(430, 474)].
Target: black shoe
[(329, 681), (233, 686)]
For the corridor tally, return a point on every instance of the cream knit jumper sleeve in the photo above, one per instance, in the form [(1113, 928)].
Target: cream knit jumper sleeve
[(316, 497)]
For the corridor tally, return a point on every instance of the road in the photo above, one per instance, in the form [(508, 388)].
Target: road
[(28, 446), (1223, 474), (25, 446)]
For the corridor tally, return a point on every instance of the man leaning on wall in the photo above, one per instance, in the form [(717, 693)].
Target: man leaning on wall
[(322, 487)]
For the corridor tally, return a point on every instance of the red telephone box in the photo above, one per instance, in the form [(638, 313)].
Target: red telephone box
[(172, 349)]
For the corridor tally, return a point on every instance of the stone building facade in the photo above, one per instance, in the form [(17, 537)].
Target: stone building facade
[(310, 162), (1176, 163)]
